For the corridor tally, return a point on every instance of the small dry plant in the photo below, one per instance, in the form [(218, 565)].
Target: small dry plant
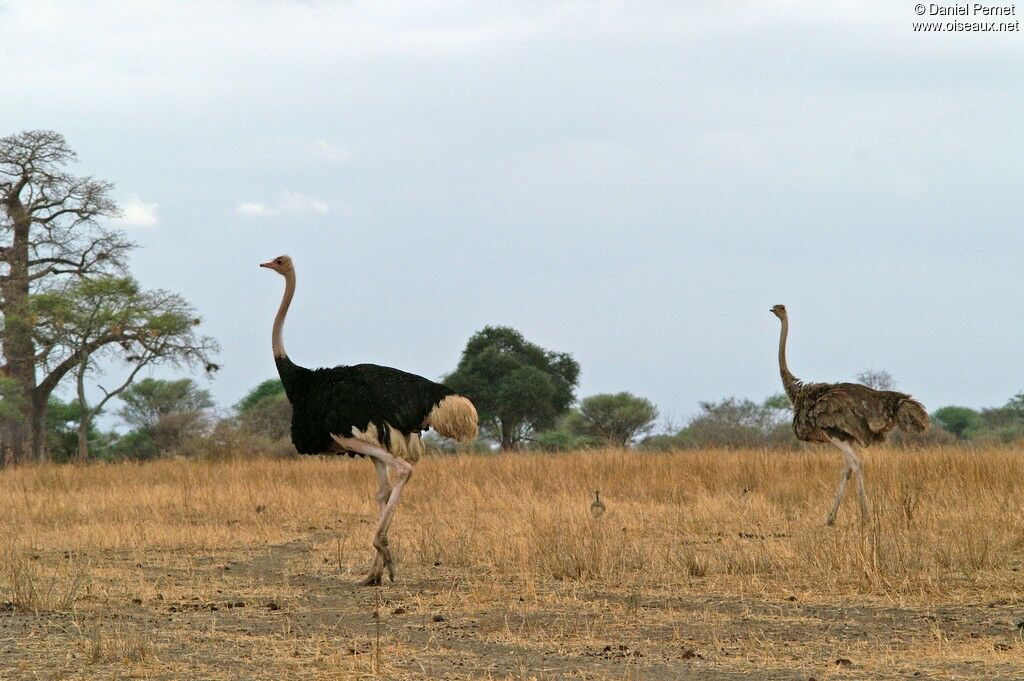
[(117, 642), (35, 585)]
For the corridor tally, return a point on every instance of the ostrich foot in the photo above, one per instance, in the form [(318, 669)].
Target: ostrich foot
[(374, 579), (830, 521), (384, 551)]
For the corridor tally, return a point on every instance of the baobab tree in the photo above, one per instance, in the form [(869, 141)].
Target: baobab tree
[(53, 235)]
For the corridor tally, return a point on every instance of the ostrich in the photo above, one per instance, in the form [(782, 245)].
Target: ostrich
[(846, 414), (597, 507), (367, 410)]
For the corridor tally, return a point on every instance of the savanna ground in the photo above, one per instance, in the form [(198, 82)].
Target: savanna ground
[(706, 565)]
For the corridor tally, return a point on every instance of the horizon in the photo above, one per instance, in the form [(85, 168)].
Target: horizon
[(633, 185)]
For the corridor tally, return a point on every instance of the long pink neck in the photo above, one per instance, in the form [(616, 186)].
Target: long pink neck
[(289, 291), (789, 381)]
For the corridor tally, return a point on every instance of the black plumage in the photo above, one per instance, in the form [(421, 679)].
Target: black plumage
[(340, 399), (367, 410)]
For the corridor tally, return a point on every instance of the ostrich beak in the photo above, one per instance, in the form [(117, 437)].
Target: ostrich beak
[(267, 264)]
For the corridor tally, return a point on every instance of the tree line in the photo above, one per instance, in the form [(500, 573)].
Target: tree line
[(74, 318)]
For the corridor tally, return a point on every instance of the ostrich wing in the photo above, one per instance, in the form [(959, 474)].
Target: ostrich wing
[(853, 411), (401, 399), (336, 400)]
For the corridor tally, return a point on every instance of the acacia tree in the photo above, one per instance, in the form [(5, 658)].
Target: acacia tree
[(153, 327), (166, 411), (618, 419), (518, 387), (961, 421), (265, 410), (50, 234)]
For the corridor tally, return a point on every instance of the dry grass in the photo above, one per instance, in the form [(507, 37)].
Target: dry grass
[(718, 560)]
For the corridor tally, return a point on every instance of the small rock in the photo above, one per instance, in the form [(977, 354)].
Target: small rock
[(239, 604), (438, 618), (690, 654), (399, 611), (272, 605), (260, 508), (790, 598), (843, 662), (137, 601)]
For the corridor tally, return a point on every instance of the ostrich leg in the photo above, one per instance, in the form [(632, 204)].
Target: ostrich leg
[(853, 465), (843, 478), (403, 471), (382, 496)]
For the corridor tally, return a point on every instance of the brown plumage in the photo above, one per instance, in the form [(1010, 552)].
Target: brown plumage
[(597, 507), (845, 415)]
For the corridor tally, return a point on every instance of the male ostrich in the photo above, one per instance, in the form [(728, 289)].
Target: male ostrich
[(367, 410), (846, 414)]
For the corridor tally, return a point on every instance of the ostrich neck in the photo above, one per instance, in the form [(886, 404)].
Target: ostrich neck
[(289, 291), (789, 381)]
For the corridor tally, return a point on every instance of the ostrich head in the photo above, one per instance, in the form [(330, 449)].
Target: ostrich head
[(779, 311), (282, 264)]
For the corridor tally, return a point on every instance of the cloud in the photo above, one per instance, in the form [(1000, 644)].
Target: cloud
[(138, 213), (290, 203), (325, 150), (256, 208)]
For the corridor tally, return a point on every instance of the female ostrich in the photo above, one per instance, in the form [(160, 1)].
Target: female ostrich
[(367, 410), (844, 414)]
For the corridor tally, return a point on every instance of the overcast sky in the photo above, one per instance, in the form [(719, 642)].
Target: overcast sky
[(635, 183)]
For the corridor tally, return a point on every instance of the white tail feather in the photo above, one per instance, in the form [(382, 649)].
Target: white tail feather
[(454, 417)]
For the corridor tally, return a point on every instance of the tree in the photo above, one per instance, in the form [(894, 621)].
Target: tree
[(49, 235), (266, 411), (63, 430), (961, 421), (155, 327), (270, 388), (779, 402), (879, 379), (11, 414), (1002, 424), (737, 423), (618, 419), (518, 387), (166, 410)]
